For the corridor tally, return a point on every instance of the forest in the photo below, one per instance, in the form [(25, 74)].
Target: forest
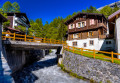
[(55, 29)]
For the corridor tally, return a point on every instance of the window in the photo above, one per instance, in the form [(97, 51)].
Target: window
[(77, 18), (92, 22), (90, 33), (84, 16), (91, 42), (81, 24), (74, 43), (71, 26), (75, 35), (108, 42), (84, 44)]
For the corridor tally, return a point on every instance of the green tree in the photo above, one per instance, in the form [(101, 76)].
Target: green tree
[(1, 12), (107, 10), (15, 7), (7, 7), (21, 28), (91, 9), (115, 8), (36, 28)]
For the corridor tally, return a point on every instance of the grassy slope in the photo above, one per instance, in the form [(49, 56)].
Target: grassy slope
[(101, 56)]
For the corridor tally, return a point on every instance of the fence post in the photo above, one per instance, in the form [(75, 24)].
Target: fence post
[(73, 49), (62, 41), (94, 53), (81, 51), (68, 48), (43, 40), (34, 38), (14, 36), (25, 37), (112, 56), (50, 41)]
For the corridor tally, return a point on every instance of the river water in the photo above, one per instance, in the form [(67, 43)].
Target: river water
[(45, 71)]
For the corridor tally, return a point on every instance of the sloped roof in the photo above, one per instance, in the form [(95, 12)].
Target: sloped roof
[(80, 13), (114, 14), (24, 14)]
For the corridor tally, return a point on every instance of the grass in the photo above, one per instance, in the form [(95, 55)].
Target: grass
[(75, 75), (100, 56)]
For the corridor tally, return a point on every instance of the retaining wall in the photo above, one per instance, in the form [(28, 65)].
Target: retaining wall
[(100, 71)]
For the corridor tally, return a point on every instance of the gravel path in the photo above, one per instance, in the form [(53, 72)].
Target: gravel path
[(45, 71)]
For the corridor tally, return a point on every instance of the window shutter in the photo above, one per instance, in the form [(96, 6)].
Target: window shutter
[(85, 23), (72, 36), (79, 35), (87, 34), (92, 33), (90, 21), (77, 25), (73, 25), (70, 26)]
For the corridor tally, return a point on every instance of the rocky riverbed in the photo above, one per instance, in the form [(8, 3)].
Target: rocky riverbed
[(45, 71)]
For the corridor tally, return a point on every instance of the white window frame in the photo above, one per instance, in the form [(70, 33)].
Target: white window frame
[(76, 35), (81, 25), (71, 26), (77, 18), (92, 21)]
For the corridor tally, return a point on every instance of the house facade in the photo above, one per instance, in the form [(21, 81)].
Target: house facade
[(17, 19), (114, 27), (90, 31)]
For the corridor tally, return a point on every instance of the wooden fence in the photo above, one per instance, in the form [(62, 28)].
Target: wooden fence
[(26, 38), (111, 56)]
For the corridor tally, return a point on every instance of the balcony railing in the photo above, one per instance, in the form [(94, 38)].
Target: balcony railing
[(102, 25)]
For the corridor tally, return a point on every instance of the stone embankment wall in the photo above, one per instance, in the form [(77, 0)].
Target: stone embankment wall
[(97, 70)]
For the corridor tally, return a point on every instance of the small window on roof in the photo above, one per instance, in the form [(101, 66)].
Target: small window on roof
[(77, 18), (84, 16)]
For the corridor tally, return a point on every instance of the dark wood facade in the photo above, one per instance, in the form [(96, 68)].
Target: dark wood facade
[(98, 28), (10, 18)]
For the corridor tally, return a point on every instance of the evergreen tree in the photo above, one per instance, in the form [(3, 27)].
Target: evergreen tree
[(7, 7), (15, 7), (107, 10), (115, 8)]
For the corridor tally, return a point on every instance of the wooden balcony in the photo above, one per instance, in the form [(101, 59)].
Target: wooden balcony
[(110, 36), (102, 25)]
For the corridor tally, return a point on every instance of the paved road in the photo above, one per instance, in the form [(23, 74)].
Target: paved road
[(45, 71)]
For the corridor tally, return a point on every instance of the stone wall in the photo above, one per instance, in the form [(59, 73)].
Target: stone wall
[(100, 71)]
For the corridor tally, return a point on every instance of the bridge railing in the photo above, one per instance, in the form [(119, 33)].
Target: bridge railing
[(27, 38)]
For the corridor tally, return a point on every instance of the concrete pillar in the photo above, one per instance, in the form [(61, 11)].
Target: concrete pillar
[(107, 28), (59, 50), (43, 53), (117, 35), (23, 57)]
